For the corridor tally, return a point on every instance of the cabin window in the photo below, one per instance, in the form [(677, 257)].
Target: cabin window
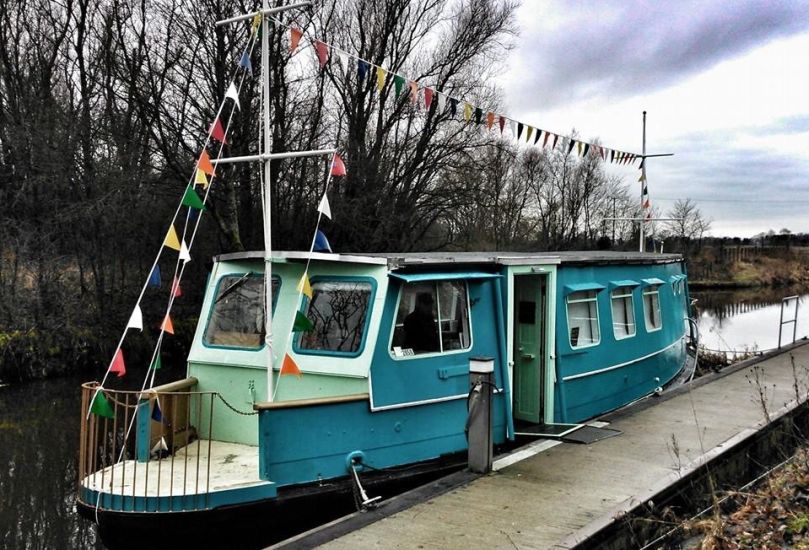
[(651, 308), (237, 316), (432, 317), (582, 319), (623, 313), (339, 312)]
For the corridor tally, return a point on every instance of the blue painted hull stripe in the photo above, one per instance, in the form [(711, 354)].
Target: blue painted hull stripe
[(618, 366)]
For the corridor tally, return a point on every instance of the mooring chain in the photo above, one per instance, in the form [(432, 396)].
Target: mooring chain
[(234, 409)]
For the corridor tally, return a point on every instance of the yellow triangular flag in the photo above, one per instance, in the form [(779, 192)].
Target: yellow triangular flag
[(256, 21), (171, 239), (380, 78), (641, 178), (467, 112), (201, 178), (304, 286)]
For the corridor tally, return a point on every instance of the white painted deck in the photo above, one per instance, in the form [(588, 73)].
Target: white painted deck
[(231, 466)]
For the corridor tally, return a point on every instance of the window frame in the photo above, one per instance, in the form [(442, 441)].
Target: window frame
[(303, 307), (652, 290), (443, 352), (239, 275), (597, 317), (629, 292)]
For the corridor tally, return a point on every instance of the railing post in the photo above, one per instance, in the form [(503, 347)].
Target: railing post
[(479, 422), (142, 431)]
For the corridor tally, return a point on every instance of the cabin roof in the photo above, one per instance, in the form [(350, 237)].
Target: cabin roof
[(396, 260)]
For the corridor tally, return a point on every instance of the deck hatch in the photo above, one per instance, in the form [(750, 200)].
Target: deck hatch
[(465, 275)]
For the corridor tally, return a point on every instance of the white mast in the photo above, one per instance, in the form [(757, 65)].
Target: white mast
[(643, 185), (265, 77)]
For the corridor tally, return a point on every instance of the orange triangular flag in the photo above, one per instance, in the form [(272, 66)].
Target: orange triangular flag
[(171, 239), (489, 120), (294, 38), (217, 132), (118, 366), (204, 163), (167, 325), (289, 366)]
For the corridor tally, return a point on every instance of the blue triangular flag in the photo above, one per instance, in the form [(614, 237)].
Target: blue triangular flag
[(321, 242), (245, 63), (154, 278), (362, 69), (157, 414)]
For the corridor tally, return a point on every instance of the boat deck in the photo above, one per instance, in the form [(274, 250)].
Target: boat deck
[(192, 469), (557, 495)]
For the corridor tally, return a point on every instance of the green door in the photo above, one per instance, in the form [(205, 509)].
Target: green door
[(528, 347)]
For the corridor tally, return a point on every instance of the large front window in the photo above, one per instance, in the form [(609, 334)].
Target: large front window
[(433, 317), (582, 319), (237, 316), (623, 314), (338, 310)]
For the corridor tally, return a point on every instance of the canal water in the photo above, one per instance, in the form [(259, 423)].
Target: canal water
[(39, 424)]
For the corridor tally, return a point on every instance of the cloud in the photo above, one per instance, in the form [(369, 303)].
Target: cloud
[(615, 48)]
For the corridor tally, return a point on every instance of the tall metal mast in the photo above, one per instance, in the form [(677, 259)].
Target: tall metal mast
[(642, 185), (265, 77)]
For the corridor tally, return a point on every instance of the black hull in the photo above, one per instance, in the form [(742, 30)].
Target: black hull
[(256, 524)]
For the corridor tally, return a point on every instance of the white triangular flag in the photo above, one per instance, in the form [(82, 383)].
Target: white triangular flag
[(184, 255), (343, 58), (160, 445), (324, 206), (234, 95), (136, 320), (442, 102), (512, 127)]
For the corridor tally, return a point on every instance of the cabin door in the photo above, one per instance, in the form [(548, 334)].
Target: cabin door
[(529, 349)]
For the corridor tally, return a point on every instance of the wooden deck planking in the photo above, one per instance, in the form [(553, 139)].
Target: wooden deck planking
[(538, 502), (232, 465)]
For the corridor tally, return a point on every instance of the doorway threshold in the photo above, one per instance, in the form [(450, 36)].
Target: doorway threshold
[(550, 431)]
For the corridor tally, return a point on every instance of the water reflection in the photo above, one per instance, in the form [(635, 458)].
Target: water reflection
[(39, 429), (749, 319)]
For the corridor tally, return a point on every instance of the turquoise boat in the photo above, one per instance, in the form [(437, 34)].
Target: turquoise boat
[(382, 393)]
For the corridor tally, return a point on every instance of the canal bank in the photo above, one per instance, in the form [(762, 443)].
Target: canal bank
[(568, 494)]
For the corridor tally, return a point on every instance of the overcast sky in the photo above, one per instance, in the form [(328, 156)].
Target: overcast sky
[(725, 85)]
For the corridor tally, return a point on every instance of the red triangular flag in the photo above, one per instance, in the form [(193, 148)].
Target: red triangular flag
[(337, 166), (502, 123), (167, 326), (322, 51), (217, 132), (118, 366), (294, 38), (289, 366), (428, 98), (176, 288)]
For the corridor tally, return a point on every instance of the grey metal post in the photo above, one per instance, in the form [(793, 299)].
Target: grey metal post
[(479, 422)]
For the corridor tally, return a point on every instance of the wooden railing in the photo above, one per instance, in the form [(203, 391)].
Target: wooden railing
[(143, 460)]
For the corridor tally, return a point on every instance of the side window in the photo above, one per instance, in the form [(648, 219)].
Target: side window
[(623, 313), (237, 316), (431, 318), (651, 308), (582, 319), (338, 310)]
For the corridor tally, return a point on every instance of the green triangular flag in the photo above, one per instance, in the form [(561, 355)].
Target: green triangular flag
[(302, 323), (398, 82), (156, 364), (102, 407), (192, 200)]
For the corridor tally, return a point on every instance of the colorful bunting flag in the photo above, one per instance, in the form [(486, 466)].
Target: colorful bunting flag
[(642, 177), (555, 139), (118, 366), (642, 161), (160, 446), (489, 120), (304, 287), (217, 132), (380, 78), (176, 291), (467, 112), (157, 414), (191, 199), (428, 98), (362, 69), (398, 84), (528, 131), (233, 94), (100, 406), (294, 38), (245, 63), (200, 178), (478, 115), (442, 102), (545, 142), (502, 124), (171, 239), (289, 367), (302, 323), (323, 207), (571, 143), (342, 57), (321, 243), (414, 92), (519, 129), (256, 23), (154, 277), (157, 364), (136, 319), (539, 133), (185, 256), (612, 155), (453, 106), (167, 325), (322, 51), (586, 148), (338, 167), (578, 148), (204, 164)]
